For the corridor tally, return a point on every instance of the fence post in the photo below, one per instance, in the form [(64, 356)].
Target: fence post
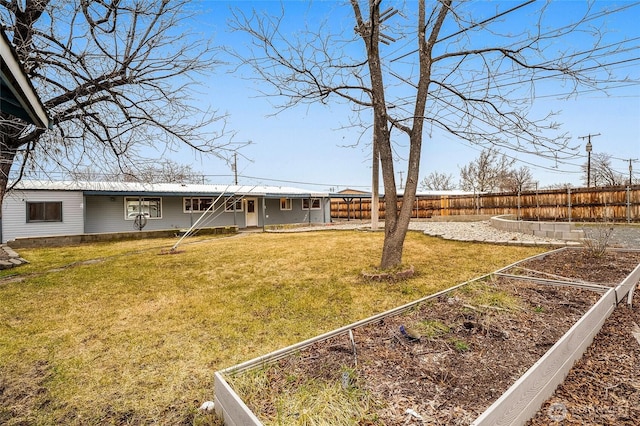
[(569, 203), (629, 203), (537, 204), (519, 214)]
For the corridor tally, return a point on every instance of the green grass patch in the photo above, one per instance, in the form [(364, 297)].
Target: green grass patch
[(460, 345), (117, 333), (482, 294), (431, 329), (307, 400)]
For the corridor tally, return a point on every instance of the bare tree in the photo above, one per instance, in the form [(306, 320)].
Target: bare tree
[(602, 173), (517, 180), (167, 171), (436, 181), (486, 173), (116, 78), (560, 185), (473, 81)]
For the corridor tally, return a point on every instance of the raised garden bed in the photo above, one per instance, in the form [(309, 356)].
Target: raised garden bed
[(474, 361), (603, 387)]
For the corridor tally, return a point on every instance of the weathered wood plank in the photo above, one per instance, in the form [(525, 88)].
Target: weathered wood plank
[(579, 204)]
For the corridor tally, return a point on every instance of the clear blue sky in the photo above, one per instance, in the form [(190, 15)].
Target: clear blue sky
[(308, 146)]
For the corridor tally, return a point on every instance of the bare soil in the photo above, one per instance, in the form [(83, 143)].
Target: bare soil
[(475, 342), (603, 387)]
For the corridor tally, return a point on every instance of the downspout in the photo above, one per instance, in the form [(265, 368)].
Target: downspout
[(191, 212), (264, 212), (324, 209), (84, 216), (235, 221)]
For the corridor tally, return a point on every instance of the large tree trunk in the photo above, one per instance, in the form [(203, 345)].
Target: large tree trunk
[(397, 222)]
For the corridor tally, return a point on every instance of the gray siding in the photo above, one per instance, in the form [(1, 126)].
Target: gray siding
[(275, 216), (107, 214), (14, 214), (93, 214)]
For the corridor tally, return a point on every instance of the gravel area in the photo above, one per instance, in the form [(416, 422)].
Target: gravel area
[(623, 236), (627, 236), (480, 231)]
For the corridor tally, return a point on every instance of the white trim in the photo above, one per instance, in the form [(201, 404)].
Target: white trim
[(311, 201), (190, 199), (25, 93), (288, 201), (132, 216), (236, 205)]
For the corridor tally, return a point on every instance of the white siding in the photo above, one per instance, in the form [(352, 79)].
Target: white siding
[(14, 214)]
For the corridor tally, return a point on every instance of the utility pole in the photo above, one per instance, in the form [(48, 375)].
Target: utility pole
[(589, 147), (235, 166), (631, 170)]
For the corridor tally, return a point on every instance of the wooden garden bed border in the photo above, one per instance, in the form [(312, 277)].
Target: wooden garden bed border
[(517, 405)]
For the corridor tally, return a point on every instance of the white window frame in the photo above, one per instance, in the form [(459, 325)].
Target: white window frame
[(229, 204), (141, 200), (288, 204), (306, 202), (198, 201)]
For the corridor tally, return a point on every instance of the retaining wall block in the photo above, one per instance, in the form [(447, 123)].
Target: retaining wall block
[(547, 226)]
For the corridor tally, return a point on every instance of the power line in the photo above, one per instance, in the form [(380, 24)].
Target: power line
[(477, 24), (540, 36)]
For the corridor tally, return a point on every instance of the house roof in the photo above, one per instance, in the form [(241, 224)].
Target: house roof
[(167, 189), (17, 95), (350, 191)]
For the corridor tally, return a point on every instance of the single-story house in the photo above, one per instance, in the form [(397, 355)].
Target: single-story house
[(42, 208)]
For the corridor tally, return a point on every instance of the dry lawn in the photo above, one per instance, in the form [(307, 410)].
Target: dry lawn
[(120, 334)]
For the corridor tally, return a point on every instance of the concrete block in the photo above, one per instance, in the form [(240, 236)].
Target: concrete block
[(563, 227), (573, 235), (547, 226), (534, 226), (10, 252)]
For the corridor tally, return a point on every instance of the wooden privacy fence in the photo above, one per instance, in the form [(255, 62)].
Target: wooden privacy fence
[(615, 204)]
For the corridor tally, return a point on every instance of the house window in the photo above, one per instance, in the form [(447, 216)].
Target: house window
[(233, 205), (150, 207), (285, 203), (196, 204), (311, 204), (44, 211)]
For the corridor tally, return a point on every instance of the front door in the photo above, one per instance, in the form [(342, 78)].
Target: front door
[(251, 215)]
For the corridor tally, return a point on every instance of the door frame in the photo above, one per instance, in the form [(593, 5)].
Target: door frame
[(251, 218)]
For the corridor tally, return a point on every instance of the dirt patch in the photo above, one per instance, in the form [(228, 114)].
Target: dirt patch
[(608, 269), (16, 395), (447, 359), (603, 387)]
